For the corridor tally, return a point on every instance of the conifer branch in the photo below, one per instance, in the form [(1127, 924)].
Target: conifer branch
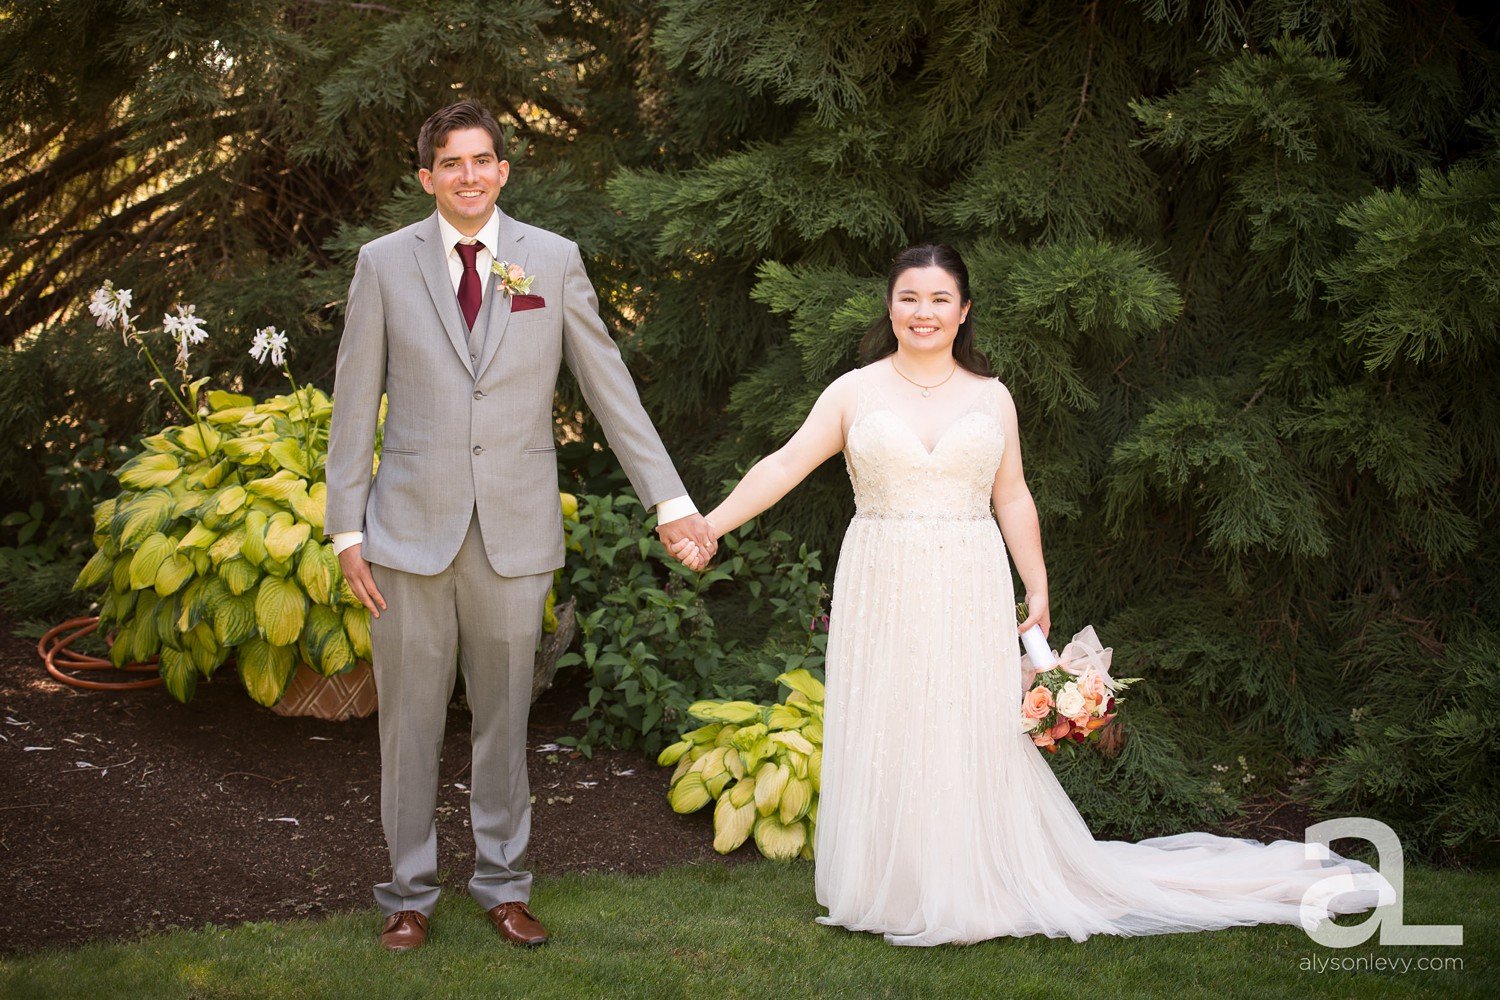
[(1088, 67)]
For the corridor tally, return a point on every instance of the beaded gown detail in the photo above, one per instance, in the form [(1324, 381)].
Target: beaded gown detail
[(938, 819)]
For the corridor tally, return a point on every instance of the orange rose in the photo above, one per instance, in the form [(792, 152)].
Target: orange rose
[(1037, 703)]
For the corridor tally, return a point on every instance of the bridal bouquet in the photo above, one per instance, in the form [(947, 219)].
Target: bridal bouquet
[(1072, 700)]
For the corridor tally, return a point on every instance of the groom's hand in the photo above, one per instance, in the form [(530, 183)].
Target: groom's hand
[(361, 581), (693, 528)]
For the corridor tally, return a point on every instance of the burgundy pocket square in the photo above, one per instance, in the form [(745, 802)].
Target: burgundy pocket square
[(520, 303)]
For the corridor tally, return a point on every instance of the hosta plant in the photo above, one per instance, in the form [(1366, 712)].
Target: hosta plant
[(214, 547), (761, 764)]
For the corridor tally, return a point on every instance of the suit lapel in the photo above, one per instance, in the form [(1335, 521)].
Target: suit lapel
[(432, 259), (512, 248)]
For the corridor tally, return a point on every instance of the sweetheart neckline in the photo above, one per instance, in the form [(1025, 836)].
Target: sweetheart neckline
[(912, 431)]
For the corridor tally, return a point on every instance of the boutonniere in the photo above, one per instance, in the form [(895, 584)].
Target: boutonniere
[(513, 280)]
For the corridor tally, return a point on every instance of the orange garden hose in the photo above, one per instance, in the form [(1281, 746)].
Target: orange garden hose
[(54, 649)]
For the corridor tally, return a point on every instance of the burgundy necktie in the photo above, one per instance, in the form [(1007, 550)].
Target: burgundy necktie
[(468, 286)]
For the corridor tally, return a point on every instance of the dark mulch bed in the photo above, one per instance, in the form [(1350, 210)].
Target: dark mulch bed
[(142, 814)]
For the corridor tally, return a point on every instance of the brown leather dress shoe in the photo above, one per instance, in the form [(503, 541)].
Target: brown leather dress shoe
[(517, 924), (404, 930)]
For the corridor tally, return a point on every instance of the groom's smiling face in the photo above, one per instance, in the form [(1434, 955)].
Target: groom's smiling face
[(465, 177)]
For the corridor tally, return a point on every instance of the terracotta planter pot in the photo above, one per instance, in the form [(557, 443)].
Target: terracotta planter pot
[(349, 695)]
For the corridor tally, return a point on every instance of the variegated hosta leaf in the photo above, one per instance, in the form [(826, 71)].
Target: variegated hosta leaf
[(745, 738), (672, 754), (219, 400), (743, 792), (239, 576), (785, 717), (148, 559), (326, 642), (770, 782), (310, 506), (198, 537), (777, 840), (737, 712), (233, 619), (174, 571), (795, 799), (149, 469), (793, 740), (317, 569), (179, 674), (254, 549), (689, 794), (280, 610), (802, 680), (249, 449), (228, 546), (266, 669), (732, 824), (278, 487), (200, 440), (94, 572), (357, 625), (287, 454), (285, 536), (141, 516)]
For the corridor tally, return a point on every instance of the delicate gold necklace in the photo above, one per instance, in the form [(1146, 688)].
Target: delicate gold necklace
[(926, 389)]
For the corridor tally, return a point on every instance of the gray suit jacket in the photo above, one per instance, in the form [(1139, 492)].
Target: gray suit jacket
[(462, 433)]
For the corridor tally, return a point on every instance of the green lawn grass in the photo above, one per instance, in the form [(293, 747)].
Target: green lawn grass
[(748, 932)]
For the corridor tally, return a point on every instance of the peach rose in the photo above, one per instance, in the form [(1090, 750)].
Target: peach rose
[(1036, 704), (514, 272), (1092, 685)]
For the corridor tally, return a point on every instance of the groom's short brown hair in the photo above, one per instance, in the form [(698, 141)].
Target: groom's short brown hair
[(464, 114)]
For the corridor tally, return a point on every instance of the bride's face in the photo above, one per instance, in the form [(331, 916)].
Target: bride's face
[(926, 310)]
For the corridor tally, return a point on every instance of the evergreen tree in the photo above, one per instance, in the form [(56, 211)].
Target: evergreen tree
[(1237, 263)]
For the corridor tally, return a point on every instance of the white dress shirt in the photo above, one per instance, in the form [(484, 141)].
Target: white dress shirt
[(489, 236)]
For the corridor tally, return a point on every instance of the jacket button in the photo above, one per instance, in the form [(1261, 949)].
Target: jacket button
[(478, 394), (478, 450)]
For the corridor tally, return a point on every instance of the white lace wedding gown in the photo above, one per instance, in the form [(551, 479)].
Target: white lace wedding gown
[(938, 820)]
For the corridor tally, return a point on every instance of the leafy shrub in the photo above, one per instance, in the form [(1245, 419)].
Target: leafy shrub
[(646, 637)]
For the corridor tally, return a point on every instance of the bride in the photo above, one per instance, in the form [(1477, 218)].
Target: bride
[(939, 820)]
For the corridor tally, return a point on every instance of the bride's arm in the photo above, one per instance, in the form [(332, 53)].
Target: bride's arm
[(820, 437), (1016, 512)]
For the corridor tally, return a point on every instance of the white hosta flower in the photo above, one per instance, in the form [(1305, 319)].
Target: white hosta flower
[(260, 347), (187, 328), (103, 306), (269, 342)]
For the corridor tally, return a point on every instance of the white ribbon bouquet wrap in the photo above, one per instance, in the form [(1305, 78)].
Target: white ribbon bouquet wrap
[(1082, 652)]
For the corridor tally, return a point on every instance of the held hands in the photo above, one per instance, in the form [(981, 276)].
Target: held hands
[(357, 572), (690, 540)]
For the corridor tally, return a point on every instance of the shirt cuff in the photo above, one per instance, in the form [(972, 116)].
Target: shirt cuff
[(674, 509), (343, 539)]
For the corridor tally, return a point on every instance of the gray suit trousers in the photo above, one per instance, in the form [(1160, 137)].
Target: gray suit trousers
[(466, 616)]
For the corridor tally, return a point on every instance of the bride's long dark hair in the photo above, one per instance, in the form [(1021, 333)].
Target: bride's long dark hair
[(880, 341)]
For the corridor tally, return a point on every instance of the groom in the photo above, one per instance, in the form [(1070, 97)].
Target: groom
[(462, 321)]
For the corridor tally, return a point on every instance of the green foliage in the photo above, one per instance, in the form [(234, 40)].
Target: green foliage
[(762, 764), (214, 547), (649, 645)]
